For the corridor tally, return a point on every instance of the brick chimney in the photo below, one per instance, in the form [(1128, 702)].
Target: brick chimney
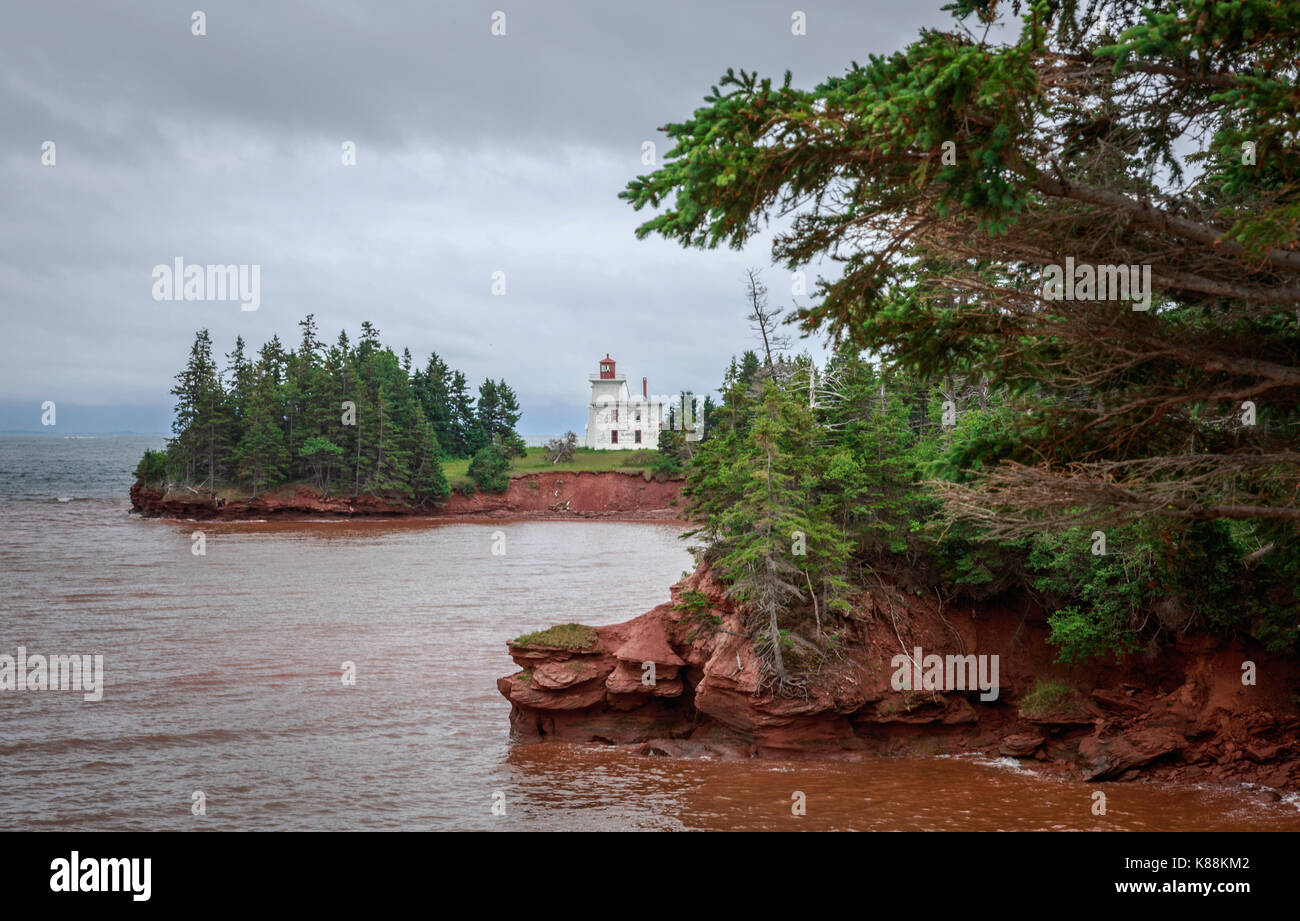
[(644, 394)]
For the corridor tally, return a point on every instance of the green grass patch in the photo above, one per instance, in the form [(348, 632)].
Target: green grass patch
[(565, 636), (1051, 698), (584, 459)]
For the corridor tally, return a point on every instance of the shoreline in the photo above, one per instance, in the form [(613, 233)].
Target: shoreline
[(1181, 716), (550, 496)]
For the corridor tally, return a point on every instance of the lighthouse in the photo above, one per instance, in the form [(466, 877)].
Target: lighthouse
[(616, 419), (620, 420)]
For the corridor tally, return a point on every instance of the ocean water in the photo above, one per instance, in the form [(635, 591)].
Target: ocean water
[(223, 678), (55, 468)]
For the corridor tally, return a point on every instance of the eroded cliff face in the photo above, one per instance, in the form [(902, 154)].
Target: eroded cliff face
[(551, 495), (1181, 713)]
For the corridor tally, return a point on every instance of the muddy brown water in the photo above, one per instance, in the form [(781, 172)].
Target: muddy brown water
[(223, 675)]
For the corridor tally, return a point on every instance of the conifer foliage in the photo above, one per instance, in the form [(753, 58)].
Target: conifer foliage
[(1143, 153), (344, 418), (950, 180)]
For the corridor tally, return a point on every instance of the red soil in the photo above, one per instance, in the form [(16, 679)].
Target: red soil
[(1181, 713), (558, 495)]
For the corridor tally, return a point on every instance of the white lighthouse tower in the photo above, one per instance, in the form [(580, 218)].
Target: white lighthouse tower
[(617, 421), (620, 421)]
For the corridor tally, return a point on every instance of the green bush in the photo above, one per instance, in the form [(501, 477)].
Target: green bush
[(665, 465), (490, 469), (1102, 601), (699, 612), (669, 457), (693, 602), (152, 469)]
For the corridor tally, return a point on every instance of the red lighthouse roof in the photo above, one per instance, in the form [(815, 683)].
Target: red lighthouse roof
[(607, 368)]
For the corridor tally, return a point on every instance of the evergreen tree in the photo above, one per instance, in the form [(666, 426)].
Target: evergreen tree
[(432, 391), (261, 458), (355, 415), (321, 457), (707, 415), (344, 388), (428, 480), (749, 368), (466, 434), (399, 436), (488, 414), (957, 180), (773, 542), (202, 422), (490, 469), (508, 414), (238, 373), (307, 413)]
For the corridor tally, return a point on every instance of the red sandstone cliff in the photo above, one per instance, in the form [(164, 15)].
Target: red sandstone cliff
[(550, 495), (1180, 714)]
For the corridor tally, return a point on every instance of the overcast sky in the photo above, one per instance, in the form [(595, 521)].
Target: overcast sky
[(475, 154)]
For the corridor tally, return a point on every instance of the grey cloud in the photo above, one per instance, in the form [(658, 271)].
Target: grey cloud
[(474, 154)]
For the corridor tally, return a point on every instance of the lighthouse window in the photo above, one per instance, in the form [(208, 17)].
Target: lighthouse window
[(613, 436), (614, 416), (638, 435), (638, 418)]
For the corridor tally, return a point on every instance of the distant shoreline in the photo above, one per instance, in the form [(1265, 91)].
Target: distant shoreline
[(551, 496)]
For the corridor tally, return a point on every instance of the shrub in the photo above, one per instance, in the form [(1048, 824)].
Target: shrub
[(698, 610), (490, 469), (1101, 602), (665, 466), (668, 459), (693, 602), (152, 469)]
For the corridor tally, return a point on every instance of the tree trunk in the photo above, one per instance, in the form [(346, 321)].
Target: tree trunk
[(813, 595)]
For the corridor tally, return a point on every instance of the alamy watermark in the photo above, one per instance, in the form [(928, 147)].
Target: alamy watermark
[(945, 673), (57, 673), (181, 282), (1098, 283), (102, 874)]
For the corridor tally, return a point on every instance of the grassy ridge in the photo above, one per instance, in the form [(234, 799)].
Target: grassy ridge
[(583, 459)]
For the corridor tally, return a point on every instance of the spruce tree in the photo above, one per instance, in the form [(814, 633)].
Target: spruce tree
[(466, 435), (202, 421), (261, 458), (283, 418)]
